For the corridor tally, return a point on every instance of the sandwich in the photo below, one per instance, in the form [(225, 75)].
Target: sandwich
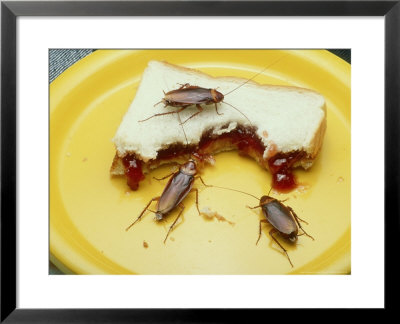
[(280, 127)]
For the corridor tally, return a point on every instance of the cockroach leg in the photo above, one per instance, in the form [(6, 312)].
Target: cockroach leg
[(202, 181), (216, 109), (167, 176), (259, 232), (170, 174), (304, 232), (197, 199), (182, 207), (183, 86), (297, 218), (272, 231), (158, 103), (295, 215), (195, 114), (162, 114), (141, 214), (253, 207)]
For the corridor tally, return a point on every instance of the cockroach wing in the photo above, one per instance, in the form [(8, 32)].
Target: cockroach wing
[(175, 191), (280, 217), (189, 96)]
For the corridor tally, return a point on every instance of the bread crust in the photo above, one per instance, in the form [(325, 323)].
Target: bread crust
[(238, 80)]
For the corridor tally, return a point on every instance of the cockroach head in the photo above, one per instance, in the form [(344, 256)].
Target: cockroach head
[(266, 200), (217, 96), (293, 237), (189, 167), (202, 159)]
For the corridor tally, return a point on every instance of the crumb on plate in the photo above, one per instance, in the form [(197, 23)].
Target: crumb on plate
[(209, 214)]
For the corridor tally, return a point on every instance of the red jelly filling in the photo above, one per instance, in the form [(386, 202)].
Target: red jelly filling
[(174, 151), (243, 138), (133, 171), (280, 166), (246, 141)]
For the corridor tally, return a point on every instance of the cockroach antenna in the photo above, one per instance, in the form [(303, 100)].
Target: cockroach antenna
[(184, 133), (246, 193), (238, 111), (183, 129), (257, 74)]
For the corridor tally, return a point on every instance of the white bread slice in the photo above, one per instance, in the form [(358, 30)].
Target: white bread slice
[(285, 119)]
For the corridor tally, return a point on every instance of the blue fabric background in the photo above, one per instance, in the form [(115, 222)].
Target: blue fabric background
[(61, 59)]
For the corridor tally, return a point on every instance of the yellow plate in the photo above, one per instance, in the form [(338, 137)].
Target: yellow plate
[(89, 210)]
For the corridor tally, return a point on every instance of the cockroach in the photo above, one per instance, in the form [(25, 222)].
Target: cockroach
[(189, 95), (178, 187), (282, 218)]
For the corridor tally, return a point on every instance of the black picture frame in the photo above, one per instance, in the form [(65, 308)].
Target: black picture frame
[(10, 10)]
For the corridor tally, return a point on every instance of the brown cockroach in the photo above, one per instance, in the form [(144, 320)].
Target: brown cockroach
[(189, 95), (178, 187), (282, 218)]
